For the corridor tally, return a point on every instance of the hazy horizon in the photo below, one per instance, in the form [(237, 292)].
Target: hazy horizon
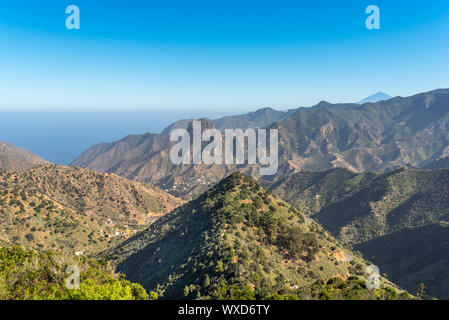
[(60, 137)]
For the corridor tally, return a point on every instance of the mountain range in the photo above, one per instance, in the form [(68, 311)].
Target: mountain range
[(359, 181), (400, 132)]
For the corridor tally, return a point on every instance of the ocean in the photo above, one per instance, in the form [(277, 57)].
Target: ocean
[(60, 137)]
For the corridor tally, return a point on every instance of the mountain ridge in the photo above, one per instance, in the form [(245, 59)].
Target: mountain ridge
[(400, 132), (69, 209), (17, 158), (240, 242)]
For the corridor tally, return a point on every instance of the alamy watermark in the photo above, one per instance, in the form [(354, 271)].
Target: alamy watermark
[(373, 278), (190, 150), (73, 280), (73, 21), (373, 20)]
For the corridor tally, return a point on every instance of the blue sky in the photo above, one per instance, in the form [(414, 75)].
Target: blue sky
[(216, 55)]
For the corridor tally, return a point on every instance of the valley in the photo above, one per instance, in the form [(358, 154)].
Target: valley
[(398, 220)]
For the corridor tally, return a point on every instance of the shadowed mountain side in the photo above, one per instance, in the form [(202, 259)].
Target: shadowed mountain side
[(311, 192), (397, 220), (412, 257), (394, 201), (440, 163)]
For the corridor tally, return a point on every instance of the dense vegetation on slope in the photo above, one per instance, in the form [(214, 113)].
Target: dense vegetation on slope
[(239, 241), (31, 275), (440, 163), (313, 191), (61, 208), (17, 159), (401, 199), (398, 219), (360, 207)]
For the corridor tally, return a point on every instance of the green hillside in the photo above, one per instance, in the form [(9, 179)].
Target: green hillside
[(394, 201), (238, 241), (397, 219), (32, 275), (313, 191)]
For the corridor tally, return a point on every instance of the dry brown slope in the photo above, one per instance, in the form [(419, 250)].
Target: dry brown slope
[(65, 208), (17, 159)]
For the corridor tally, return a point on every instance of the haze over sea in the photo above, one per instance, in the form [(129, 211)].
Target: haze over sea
[(60, 137)]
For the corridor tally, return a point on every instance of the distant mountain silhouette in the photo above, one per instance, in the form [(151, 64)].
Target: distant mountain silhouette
[(379, 96)]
